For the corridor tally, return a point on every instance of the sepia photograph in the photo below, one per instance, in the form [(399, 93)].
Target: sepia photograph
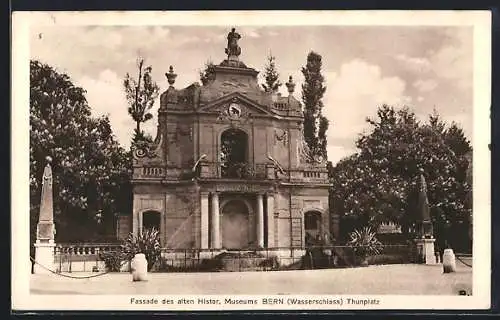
[(251, 160)]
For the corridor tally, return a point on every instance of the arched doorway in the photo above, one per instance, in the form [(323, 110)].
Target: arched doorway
[(234, 225), (151, 219), (234, 153), (312, 226)]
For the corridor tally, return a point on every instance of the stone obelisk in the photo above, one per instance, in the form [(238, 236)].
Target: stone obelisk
[(45, 230), (425, 240)]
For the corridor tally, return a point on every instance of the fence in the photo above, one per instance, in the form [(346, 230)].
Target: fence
[(89, 258), (271, 259)]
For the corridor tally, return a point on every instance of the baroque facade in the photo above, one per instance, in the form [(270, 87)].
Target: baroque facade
[(229, 167)]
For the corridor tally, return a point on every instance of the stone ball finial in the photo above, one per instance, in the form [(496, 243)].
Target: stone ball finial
[(171, 76), (48, 159), (290, 85)]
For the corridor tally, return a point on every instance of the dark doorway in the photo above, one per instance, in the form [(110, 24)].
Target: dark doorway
[(234, 225), (151, 219), (312, 226)]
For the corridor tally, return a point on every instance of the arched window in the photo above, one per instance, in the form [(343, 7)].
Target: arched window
[(234, 154)]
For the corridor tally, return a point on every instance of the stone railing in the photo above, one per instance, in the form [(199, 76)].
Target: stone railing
[(82, 257), (154, 172), (85, 248), (243, 171)]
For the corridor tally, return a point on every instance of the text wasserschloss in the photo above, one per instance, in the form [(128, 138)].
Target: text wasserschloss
[(333, 301)]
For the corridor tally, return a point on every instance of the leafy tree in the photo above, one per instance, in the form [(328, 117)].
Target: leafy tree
[(140, 95), (313, 89), (90, 169), (379, 183), (271, 75), (207, 73)]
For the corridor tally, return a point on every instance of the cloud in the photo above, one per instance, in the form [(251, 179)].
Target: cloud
[(337, 153), (415, 64), (105, 96), (420, 98), (425, 85), (453, 61), (355, 93)]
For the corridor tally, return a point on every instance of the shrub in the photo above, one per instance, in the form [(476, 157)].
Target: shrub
[(364, 243), (147, 242), (113, 260)]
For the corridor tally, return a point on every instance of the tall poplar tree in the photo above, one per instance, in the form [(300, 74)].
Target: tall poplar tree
[(313, 89)]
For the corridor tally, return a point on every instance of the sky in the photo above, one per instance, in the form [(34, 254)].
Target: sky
[(423, 67)]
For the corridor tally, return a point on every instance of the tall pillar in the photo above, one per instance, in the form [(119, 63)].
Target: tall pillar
[(270, 221), (215, 222), (204, 220), (260, 221), (45, 229), (139, 221)]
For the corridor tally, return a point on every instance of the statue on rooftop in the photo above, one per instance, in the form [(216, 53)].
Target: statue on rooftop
[(232, 44)]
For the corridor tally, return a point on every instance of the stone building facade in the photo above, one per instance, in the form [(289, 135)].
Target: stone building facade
[(229, 167)]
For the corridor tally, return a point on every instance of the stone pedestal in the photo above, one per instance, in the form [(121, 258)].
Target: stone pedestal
[(44, 256), (425, 248), (139, 266)]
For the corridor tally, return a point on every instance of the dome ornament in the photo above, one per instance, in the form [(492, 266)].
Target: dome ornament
[(171, 76), (290, 85)]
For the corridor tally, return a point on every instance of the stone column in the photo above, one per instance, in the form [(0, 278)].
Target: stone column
[(139, 221), (215, 221), (270, 221), (204, 220), (260, 221)]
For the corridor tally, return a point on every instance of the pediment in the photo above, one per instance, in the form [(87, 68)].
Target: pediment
[(236, 105)]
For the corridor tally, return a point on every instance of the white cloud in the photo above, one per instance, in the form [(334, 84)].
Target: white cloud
[(425, 85), (337, 153), (420, 98), (416, 64), (106, 97), (454, 62), (352, 95)]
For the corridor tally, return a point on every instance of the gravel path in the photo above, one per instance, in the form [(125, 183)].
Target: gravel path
[(387, 279)]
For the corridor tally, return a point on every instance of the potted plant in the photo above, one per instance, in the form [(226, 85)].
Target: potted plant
[(147, 243), (364, 243)]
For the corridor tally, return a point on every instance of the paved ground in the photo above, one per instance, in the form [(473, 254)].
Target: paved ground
[(388, 279)]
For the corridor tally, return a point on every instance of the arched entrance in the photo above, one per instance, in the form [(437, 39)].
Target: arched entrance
[(312, 226), (234, 225), (151, 219), (234, 149)]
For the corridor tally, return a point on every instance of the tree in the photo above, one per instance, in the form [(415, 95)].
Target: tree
[(379, 183), (140, 95), (313, 89), (91, 171), (271, 75), (207, 73)]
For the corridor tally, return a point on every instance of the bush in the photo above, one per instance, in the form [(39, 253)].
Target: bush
[(113, 260), (364, 243), (147, 242)]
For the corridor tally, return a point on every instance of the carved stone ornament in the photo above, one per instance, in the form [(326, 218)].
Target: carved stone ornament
[(281, 137), (233, 111), (146, 150)]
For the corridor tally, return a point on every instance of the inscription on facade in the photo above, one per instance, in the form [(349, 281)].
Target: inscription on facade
[(156, 204), (309, 204)]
